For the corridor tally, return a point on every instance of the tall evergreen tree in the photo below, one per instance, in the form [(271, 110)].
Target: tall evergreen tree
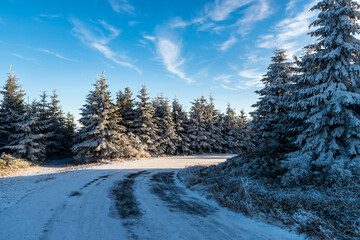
[(230, 132), (166, 127), (70, 127), (329, 98), (57, 146), (144, 124), (27, 141), (126, 109), (272, 109), (214, 122), (198, 132), (100, 137), (11, 111), (242, 119), (181, 122)]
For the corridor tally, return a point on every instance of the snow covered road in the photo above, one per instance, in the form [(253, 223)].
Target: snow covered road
[(132, 200)]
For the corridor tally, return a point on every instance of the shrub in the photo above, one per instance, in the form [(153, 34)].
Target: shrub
[(9, 162)]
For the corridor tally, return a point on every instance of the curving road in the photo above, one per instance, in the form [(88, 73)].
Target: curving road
[(133, 200)]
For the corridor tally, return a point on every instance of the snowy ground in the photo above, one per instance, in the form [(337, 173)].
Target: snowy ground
[(131, 200)]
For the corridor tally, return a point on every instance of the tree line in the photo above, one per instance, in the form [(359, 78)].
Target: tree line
[(307, 120), (115, 129), (33, 131)]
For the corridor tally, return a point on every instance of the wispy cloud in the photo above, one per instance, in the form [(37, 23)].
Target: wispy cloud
[(221, 9), (54, 54), (228, 43), (178, 22), (225, 78), (290, 33), (216, 17), (133, 23), (228, 88), (258, 11), (24, 58), (290, 5), (50, 15), (169, 52), (121, 6), (98, 39), (249, 78)]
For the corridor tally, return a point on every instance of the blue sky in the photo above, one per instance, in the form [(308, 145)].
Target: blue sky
[(184, 48)]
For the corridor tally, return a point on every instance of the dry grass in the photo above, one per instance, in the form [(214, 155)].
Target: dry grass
[(8, 163), (318, 212)]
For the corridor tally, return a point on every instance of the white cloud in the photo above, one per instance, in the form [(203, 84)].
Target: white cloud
[(178, 22), (258, 11), (291, 5), (121, 6), (221, 9), (252, 78), (224, 78), (151, 38), (291, 33), (133, 23), (215, 13), (227, 44), (170, 53), (97, 39), (50, 15), (228, 88), (23, 58), (54, 54)]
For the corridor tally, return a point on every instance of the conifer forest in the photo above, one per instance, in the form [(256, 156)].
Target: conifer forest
[(292, 163)]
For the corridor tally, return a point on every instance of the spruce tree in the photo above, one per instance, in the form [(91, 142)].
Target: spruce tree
[(198, 132), (27, 140), (230, 132), (144, 123), (329, 99), (181, 125), (11, 111), (214, 124), (166, 127), (70, 128), (57, 146), (126, 109), (272, 109), (100, 136)]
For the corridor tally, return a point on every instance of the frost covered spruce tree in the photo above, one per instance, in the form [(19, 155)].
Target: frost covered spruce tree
[(166, 127), (126, 109), (12, 109), (70, 127), (198, 133), (27, 139), (329, 99), (144, 124), (214, 126), (272, 108), (125, 114), (57, 146), (100, 136), (230, 133), (53, 117), (181, 125)]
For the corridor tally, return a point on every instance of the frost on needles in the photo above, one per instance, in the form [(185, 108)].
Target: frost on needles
[(329, 99)]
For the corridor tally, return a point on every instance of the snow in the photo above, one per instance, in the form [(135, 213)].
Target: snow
[(74, 203)]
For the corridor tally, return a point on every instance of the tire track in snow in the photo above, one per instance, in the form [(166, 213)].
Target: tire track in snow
[(125, 204), (163, 185), (48, 225)]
